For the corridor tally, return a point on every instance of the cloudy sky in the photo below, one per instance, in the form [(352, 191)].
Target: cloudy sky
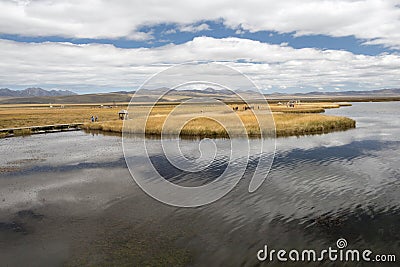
[(283, 46)]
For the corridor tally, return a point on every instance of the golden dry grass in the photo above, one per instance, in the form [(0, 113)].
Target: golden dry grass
[(311, 107), (21, 117), (286, 125), (289, 121), (301, 124)]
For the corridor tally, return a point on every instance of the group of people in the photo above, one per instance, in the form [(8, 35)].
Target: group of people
[(292, 103), (94, 118), (245, 107)]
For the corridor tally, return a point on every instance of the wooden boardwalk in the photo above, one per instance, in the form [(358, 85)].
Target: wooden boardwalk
[(9, 132)]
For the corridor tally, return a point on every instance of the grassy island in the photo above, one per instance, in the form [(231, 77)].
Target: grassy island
[(303, 119), (286, 125)]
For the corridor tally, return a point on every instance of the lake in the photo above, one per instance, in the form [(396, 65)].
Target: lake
[(69, 199)]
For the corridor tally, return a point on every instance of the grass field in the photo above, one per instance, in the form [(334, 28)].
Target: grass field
[(303, 119), (286, 125), (21, 117)]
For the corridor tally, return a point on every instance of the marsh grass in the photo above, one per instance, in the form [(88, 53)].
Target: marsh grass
[(286, 125), (303, 119), (303, 124), (314, 107), (22, 117)]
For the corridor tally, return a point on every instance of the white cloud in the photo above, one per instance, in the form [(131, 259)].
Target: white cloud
[(240, 31), (170, 31), (194, 28), (140, 36), (376, 21), (66, 65)]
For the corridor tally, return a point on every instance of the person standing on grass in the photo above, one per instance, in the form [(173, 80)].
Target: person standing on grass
[(92, 118)]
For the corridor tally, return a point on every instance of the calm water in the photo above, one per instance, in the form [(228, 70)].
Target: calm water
[(68, 199)]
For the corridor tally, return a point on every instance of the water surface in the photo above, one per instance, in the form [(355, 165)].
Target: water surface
[(68, 199)]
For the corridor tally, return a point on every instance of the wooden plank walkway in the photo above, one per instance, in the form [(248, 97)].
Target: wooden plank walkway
[(9, 132)]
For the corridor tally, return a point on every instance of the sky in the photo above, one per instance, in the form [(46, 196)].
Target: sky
[(282, 46)]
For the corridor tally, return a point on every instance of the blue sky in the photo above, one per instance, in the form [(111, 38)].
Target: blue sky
[(162, 35), (284, 47)]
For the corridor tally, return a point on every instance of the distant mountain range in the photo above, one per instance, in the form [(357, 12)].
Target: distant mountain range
[(41, 96), (380, 92), (370, 95), (224, 92), (33, 92), (187, 92)]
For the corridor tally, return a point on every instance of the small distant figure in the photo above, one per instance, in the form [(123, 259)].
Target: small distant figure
[(92, 118), (248, 107), (291, 104), (123, 114), (96, 118)]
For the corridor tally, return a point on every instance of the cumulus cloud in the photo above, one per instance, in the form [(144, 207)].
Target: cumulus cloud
[(374, 21), (194, 28), (66, 65)]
